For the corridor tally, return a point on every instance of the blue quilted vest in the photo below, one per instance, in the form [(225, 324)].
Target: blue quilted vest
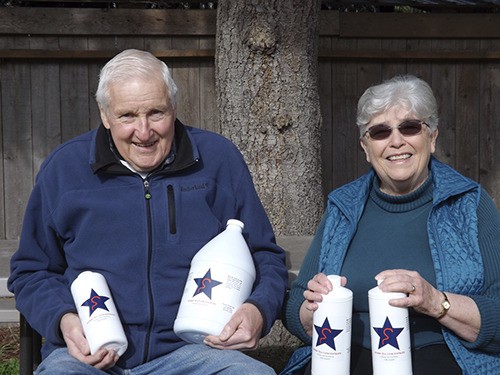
[(453, 234)]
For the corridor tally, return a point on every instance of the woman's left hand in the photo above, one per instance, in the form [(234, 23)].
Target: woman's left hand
[(422, 296), (463, 317)]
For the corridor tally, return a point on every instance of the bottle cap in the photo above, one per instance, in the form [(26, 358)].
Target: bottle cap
[(235, 222), (338, 292), (377, 293), (335, 280)]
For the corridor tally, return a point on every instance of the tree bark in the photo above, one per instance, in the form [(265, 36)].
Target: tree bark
[(268, 102)]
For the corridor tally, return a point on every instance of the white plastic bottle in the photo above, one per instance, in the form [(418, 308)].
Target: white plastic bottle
[(332, 326), (390, 334), (221, 278), (97, 312)]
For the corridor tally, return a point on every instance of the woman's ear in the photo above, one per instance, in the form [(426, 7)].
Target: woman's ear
[(434, 136), (365, 149)]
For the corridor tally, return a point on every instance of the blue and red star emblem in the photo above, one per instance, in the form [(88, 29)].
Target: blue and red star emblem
[(326, 335), (205, 284), (388, 335), (95, 302)]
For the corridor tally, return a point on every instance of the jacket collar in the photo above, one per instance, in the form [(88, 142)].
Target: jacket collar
[(105, 159)]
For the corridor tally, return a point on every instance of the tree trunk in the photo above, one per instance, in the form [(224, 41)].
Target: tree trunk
[(268, 101)]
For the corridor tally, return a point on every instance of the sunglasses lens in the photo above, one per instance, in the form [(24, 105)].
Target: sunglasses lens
[(407, 128), (379, 132), (410, 127)]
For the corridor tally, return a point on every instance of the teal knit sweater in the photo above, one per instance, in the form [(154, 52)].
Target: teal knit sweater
[(391, 234)]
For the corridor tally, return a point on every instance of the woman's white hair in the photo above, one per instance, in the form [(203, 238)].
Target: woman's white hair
[(404, 91), (133, 63)]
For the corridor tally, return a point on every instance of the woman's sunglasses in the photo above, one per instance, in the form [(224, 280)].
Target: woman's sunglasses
[(407, 128)]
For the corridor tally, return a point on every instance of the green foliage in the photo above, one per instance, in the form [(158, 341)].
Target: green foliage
[(9, 349), (9, 367)]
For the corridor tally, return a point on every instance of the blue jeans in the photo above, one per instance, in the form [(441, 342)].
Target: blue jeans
[(189, 359)]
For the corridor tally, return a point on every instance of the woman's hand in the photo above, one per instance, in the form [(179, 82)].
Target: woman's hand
[(422, 296), (463, 316), (318, 286)]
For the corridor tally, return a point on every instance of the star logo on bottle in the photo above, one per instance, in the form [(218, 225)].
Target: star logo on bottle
[(326, 335), (388, 335), (205, 284), (95, 302)]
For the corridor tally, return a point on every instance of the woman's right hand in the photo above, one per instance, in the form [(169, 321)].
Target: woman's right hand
[(318, 286)]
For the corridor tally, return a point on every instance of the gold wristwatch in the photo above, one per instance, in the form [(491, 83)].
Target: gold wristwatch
[(445, 306)]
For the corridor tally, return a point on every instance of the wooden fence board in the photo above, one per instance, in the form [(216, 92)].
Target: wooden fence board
[(78, 21), (346, 153), (419, 68), (443, 84), (395, 67), (422, 25), (16, 138), (489, 115), (2, 174), (75, 92), (467, 116), (208, 106), (187, 77), (46, 121), (5, 42), (490, 134), (46, 116)]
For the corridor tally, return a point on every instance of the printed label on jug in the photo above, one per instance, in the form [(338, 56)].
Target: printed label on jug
[(329, 341), (391, 343), (95, 302), (205, 284), (233, 283)]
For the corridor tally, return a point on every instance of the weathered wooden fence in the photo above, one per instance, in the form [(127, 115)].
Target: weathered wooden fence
[(50, 59)]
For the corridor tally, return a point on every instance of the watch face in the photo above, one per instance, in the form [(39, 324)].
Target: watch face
[(446, 305)]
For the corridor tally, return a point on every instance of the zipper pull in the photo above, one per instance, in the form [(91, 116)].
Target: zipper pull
[(147, 194)]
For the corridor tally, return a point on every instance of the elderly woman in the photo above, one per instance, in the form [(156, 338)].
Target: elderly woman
[(419, 226)]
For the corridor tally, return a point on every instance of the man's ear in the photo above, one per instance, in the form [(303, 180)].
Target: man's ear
[(104, 117)]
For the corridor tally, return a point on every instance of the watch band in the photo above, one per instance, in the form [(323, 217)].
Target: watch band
[(445, 306)]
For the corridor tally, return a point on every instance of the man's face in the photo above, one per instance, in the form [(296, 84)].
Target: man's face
[(141, 121)]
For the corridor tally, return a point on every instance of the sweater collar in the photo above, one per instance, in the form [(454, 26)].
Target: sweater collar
[(402, 203)]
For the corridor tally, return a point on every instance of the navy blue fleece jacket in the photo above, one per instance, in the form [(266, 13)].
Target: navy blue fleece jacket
[(88, 212)]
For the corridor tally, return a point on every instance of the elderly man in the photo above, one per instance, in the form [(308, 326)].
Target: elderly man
[(135, 200)]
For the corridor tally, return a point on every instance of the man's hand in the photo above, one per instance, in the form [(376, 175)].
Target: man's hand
[(78, 347), (241, 332)]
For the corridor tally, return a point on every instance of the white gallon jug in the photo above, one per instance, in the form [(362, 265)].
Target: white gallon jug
[(220, 279)]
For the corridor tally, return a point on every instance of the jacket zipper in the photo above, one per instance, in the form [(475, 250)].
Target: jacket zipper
[(147, 196), (171, 209)]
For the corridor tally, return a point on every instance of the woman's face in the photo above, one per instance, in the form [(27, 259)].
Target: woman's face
[(401, 162)]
